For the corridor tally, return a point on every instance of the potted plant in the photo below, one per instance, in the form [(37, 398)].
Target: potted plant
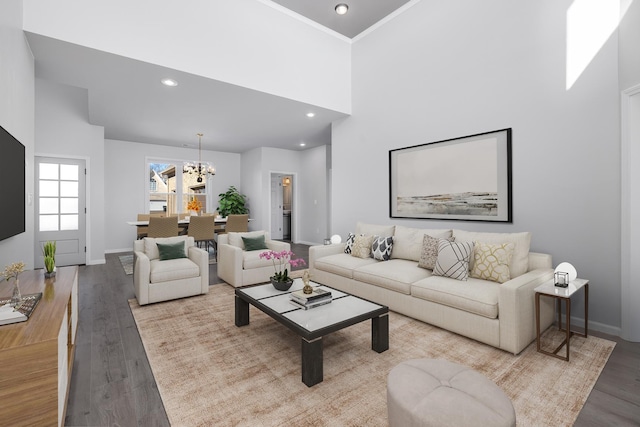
[(232, 203), (280, 279), (49, 251)]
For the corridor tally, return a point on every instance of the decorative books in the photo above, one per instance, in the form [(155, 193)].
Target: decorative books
[(22, 312), (316, 298)]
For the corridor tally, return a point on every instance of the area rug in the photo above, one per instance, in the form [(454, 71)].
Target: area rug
[(210, 372), (127, 263)]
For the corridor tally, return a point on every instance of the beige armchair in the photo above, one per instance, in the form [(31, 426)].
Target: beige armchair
[(240, 267), (156, 279)]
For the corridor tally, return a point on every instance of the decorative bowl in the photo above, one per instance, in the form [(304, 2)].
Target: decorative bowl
[(281, 286)]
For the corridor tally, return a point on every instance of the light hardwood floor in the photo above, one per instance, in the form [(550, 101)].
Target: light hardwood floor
[(112, 383)]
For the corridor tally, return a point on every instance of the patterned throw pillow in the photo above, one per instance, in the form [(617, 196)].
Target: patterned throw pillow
[(349, 244), (453, 259), (491, 262), (362, 246), (429, 252), (381, 248)]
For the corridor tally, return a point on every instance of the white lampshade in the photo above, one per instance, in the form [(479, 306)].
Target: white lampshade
[(565, 267), (335, 239)]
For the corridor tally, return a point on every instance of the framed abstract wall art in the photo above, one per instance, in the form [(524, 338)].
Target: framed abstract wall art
[(467, 178)]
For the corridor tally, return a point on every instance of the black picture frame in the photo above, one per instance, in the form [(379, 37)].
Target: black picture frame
[(466, 179)]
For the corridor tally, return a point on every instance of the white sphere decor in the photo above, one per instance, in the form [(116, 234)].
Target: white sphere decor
[(335, 239), (566, 267)]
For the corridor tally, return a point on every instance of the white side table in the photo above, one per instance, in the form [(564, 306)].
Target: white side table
[(562, 294)]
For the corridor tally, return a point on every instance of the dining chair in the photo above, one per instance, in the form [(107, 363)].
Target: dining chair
[(142, 230), (202, 229), (163, 226), (237, 223)]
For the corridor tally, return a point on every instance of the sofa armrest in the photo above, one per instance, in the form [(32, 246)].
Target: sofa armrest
[(278, 246), (516, 307), (141, 273), (201, 258), (230, 264), (538, 260), (319, 251)]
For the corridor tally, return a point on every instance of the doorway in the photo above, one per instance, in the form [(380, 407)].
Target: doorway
[(282, 206), (60, 209)]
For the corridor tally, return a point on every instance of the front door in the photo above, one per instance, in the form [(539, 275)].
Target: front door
[(60, 210)]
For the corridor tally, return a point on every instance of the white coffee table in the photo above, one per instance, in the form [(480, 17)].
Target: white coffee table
[(311, 325), (560, 294)]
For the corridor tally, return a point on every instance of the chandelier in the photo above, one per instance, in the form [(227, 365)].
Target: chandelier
[(200, 169)]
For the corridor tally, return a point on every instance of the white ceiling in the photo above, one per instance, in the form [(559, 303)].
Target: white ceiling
[(125, 96)]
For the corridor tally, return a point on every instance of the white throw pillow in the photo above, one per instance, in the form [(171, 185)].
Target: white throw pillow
[(407, 241), (235, 238), (491, 262), (520, 260), (151, 245), (362, 246), (453, 259), (429, 253)]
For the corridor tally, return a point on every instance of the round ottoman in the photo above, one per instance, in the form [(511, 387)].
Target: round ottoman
[(431, 392)]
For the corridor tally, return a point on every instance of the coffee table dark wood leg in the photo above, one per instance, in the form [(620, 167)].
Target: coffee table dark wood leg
[(242, 312), (312, 372), (380, 333)]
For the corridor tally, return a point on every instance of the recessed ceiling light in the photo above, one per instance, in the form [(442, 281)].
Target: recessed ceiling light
[(169, 82), (311, 114), (302, 144), (342, 9)]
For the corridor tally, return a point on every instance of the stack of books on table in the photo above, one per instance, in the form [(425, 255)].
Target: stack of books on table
[(306, 301)]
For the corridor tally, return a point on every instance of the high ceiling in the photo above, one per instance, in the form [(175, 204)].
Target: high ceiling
[(125, 98)]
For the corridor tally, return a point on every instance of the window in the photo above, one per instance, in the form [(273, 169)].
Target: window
[(170, 190)]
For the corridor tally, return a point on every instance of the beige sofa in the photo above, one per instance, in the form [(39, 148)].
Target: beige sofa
[(239, 267), (499, 314), (156, 280)]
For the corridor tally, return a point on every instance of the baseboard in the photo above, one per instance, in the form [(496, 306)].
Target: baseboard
[(97, 261), (116, 251), (596, 326)]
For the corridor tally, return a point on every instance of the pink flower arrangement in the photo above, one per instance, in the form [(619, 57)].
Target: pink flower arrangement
[(283, 258)]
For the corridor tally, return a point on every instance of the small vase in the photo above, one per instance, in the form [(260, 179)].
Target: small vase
[(281, 286), (16, 297)]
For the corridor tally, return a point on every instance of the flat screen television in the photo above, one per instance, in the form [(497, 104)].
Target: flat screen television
[(12, 185)]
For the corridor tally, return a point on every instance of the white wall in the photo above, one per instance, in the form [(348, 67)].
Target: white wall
[(223, 40), (63, 130), (448, 69), (630, 46), (309, 168), (126, 178), (17, 116)]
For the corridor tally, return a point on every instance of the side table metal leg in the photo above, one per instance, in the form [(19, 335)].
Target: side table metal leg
[(312, 371), (380, 333), (242, 312), (568, 322)]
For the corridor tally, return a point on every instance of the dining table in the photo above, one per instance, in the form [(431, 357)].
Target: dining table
[(183, 224)]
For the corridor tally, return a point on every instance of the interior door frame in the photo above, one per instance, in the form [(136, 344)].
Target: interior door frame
[(87, 203), (295, 210), (630, 293)]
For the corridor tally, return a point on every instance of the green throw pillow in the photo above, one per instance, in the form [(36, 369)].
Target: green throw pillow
[(254, 243), (171, 250)]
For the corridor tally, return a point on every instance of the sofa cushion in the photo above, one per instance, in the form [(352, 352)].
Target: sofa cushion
[(151, 245), (362, 246), (374, 230), (520, 260), (491, 262), (235, 238), (349, 245), (407, 242), (381, 248), (429, 252), (251, 259), (173, 269), (453, 259), (171, 250), (474, 295), (396, 274), (342, 264), (254, 243)]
